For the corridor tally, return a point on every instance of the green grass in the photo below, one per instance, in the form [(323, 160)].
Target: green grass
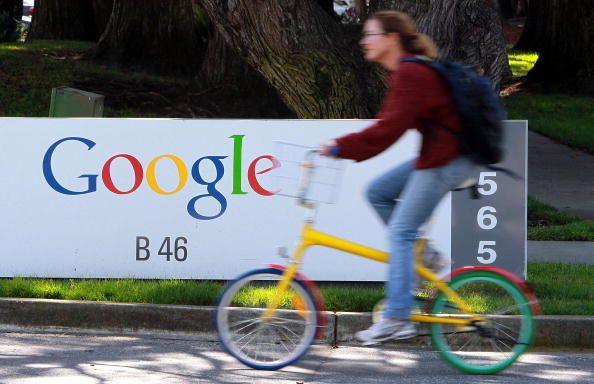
[(546, 223), (30, 70), (564, 118), (562, 289), (124, 290), (521, 62)]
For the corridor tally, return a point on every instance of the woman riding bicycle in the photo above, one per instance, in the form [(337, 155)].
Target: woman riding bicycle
[(404, 197)]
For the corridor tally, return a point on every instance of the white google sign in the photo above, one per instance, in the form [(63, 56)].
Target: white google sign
[(175, 198)]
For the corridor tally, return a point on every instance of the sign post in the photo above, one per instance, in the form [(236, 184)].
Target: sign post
[(491, 230)]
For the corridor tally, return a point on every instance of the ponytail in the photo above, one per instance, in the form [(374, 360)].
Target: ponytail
[(420, 44), (404, 26)]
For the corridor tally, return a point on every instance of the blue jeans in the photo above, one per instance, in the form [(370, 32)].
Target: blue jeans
[(404, 198)]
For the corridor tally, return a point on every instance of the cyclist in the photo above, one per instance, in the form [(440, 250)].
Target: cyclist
[(416, 95)]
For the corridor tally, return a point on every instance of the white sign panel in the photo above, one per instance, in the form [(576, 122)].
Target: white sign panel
[(109, 198)]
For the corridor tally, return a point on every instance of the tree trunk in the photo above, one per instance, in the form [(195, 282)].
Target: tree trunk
[(302, 53), (158, 35), (535, 26), (522, 7), (10, 12), (327, 6), (412, 7), (362, 10), (566, 57), (222, 66), (507, 8), (464, 30), (63, 20), (102, 12)]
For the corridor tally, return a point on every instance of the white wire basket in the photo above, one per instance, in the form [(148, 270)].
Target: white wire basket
[(325, 178)]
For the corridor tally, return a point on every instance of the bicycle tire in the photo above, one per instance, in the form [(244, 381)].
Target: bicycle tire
[(507, 331), (274, 342)]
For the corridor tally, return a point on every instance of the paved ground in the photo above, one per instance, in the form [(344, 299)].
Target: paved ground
[(571, 252), (81, 359), (560, 176)]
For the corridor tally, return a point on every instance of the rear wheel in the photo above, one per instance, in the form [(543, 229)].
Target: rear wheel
[(266, 342), (488, 346)]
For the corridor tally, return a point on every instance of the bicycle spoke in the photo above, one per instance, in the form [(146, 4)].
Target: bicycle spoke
[(251, 322), (253, 333), (510, 337), (287, 329), (507, 309), (244, 345), (494, 344), (468, 341)]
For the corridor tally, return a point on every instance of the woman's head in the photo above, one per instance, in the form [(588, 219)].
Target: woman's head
[(388, 35)]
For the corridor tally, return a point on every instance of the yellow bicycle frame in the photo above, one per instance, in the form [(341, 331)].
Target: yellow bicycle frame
[(310, 237)]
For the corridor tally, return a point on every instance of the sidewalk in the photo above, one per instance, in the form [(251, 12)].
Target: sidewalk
[(563, 178), (560, 176), (571, 252)]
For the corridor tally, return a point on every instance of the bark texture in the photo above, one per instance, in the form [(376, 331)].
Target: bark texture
[(10, 12), (535, 27), (63, 20), (157, 34), (464, 30), (566, 54), (302, 52), (102, 13)]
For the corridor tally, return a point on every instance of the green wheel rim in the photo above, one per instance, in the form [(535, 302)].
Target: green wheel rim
[(524, 337)]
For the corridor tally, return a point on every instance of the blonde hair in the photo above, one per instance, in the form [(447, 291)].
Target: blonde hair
[(404, 26)]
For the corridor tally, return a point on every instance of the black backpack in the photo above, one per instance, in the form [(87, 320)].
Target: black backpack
[(481, 111)]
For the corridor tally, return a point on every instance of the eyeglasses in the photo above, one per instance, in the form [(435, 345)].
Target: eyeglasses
[(368, 35)]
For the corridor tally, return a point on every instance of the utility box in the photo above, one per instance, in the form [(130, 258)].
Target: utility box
[(71, 102)]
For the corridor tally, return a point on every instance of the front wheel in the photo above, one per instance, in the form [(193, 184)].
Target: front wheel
[(266, 342), (491, 345)]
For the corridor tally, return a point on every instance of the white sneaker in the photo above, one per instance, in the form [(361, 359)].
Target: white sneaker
[(387, 329)]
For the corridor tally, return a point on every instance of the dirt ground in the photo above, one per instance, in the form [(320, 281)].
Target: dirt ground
[(189, 101)]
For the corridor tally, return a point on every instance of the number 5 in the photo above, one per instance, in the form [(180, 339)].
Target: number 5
[(483, 249), (491, 183)]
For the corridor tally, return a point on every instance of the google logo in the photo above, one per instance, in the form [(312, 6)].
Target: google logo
[(148, 173)]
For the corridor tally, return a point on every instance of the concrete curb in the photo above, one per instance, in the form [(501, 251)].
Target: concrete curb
[(197, 322)]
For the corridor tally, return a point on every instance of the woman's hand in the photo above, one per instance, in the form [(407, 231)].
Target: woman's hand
[(327, 148)]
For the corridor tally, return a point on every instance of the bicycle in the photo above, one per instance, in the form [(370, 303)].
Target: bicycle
[(268, 318)]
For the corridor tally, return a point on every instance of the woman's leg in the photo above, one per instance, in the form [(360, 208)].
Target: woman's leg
[(385, 189), (420, 196)]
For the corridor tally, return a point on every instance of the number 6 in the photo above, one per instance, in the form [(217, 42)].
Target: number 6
[(485, 219), (483, 249)]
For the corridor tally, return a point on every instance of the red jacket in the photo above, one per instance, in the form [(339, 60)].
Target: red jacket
[(416, 94)]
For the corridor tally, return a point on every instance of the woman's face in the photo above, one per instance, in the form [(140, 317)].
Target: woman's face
[(375, 42)]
